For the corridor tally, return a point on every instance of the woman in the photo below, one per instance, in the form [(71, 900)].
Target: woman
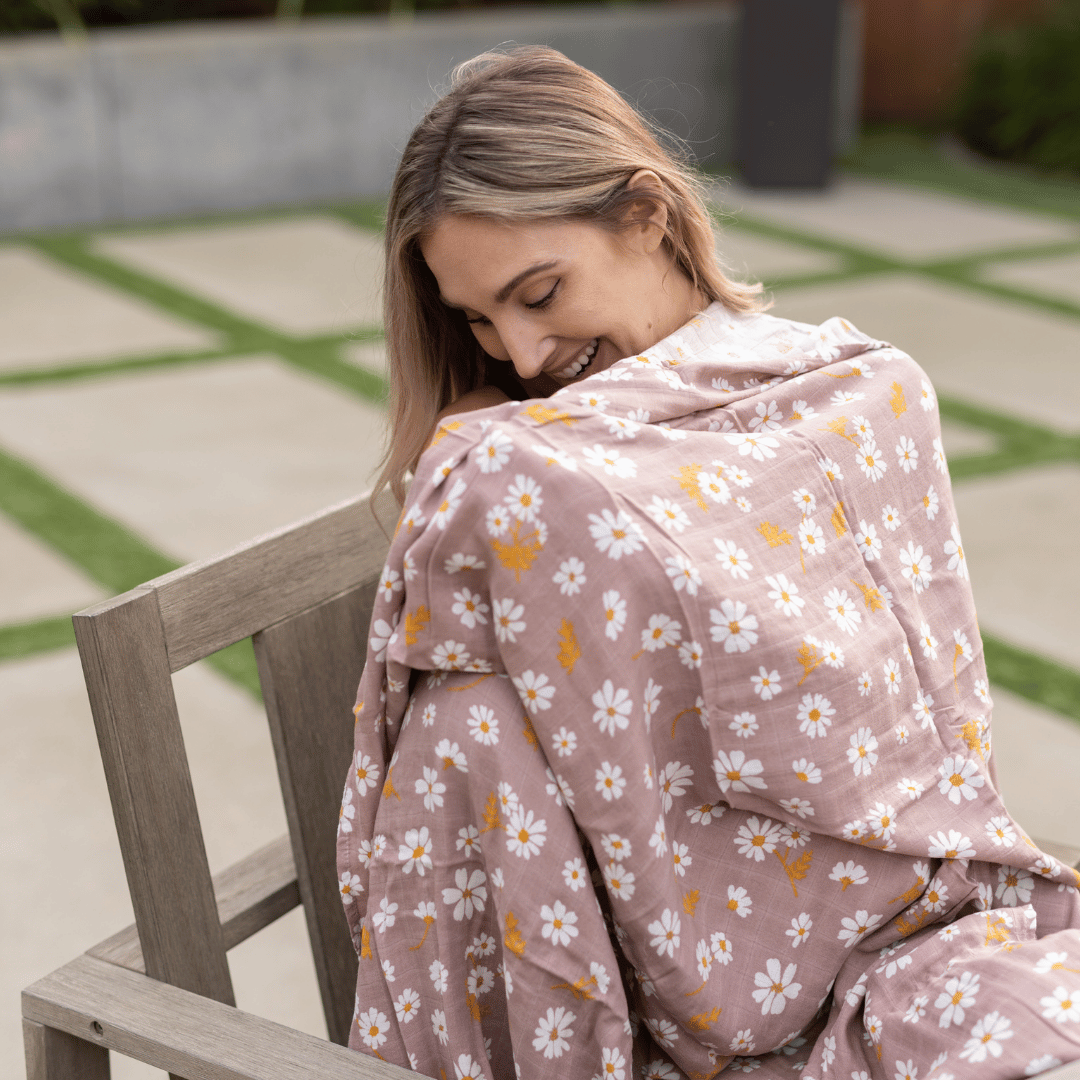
[(672, 745)]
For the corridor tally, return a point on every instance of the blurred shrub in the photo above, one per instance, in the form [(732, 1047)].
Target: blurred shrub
[(1021, 100)]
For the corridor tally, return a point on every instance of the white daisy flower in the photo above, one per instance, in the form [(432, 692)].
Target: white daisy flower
[(785, 595), (733, 626), (668, 513), (612, 462), (870, 461), (733, 559), (615, 534), (506, 618), (735, 772), (493, 451), (766, 683), (855, 929), (842, 610), (811, 537), (955, 550), (525, 834), (868, 541), (619, 881), (610, 781), (775, 987)]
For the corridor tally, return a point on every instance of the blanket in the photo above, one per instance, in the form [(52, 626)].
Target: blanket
[(673, 747)]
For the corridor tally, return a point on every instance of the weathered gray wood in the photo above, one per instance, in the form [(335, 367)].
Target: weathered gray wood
[(309, 668), (251, 894), (186, 1034), (122, 648), (271, 578), (56, 1055)]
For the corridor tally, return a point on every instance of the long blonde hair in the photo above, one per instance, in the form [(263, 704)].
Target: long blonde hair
[(522, 135)]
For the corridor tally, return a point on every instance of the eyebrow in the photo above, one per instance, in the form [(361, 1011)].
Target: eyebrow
[(504, 293)]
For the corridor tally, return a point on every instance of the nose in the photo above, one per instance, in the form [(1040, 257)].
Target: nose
[(527, 347)]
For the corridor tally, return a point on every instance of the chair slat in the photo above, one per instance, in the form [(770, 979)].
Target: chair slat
[(309, 668), (186, 1034), (251, 894), (211, 604), (122, 648)]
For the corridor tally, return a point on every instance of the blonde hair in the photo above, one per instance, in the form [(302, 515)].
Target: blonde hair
[(522, 135)]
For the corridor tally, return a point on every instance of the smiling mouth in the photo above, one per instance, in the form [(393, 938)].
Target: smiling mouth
[(576, 367)]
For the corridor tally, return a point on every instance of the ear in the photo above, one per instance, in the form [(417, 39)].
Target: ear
[(646, 217)]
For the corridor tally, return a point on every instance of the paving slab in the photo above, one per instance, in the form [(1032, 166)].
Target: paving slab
[(1005, 355), (1058, 276), (64, 885), (367, 354), (1020, 531), (199, 457), (1038, 762), (304, 275), (50, 315), (960, 440), (35, 581), (906, 223), (752, 257)]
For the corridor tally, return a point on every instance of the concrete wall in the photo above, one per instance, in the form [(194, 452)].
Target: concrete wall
[(147, 123)]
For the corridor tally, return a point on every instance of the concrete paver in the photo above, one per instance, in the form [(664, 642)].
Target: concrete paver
[(200, 457), (1020, 531), (895, 220), (303, 275), (751, 257), (367, 354), (1001, 354), (1038, 762), (52, 315), (959, 439), (1058, 276), (35, 582)]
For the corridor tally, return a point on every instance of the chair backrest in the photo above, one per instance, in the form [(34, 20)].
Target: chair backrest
[(304, 594)]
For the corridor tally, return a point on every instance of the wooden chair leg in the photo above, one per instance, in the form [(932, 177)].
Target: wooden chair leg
[(56, 1055)]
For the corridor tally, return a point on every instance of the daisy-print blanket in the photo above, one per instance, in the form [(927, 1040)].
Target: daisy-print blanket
[(673, 747)]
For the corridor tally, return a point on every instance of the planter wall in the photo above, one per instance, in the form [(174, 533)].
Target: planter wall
[(149, 123)]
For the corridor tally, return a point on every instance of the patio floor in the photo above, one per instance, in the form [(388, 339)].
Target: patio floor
[(168, 391)]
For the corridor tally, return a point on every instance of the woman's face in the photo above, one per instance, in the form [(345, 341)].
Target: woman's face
[(558, 300)]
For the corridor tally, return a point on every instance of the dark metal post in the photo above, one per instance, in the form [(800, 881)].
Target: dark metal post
[(786, 61)]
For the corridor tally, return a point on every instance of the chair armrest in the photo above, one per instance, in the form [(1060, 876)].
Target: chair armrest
[(183, 1033), (250, 894)]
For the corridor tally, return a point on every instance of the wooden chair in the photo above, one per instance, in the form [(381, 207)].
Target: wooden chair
[(160, 990)]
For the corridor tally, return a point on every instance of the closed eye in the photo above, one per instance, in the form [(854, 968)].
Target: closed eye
[(536, 305), (543, 302)]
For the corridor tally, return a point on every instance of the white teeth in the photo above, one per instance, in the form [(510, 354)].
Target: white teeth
[(575, 367)]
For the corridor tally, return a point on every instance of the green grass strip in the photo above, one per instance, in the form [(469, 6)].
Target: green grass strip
[(1041, 681), (318, 355), (105, 550), (905, 154), (1020, 444), (237, 662), (26, 639)]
